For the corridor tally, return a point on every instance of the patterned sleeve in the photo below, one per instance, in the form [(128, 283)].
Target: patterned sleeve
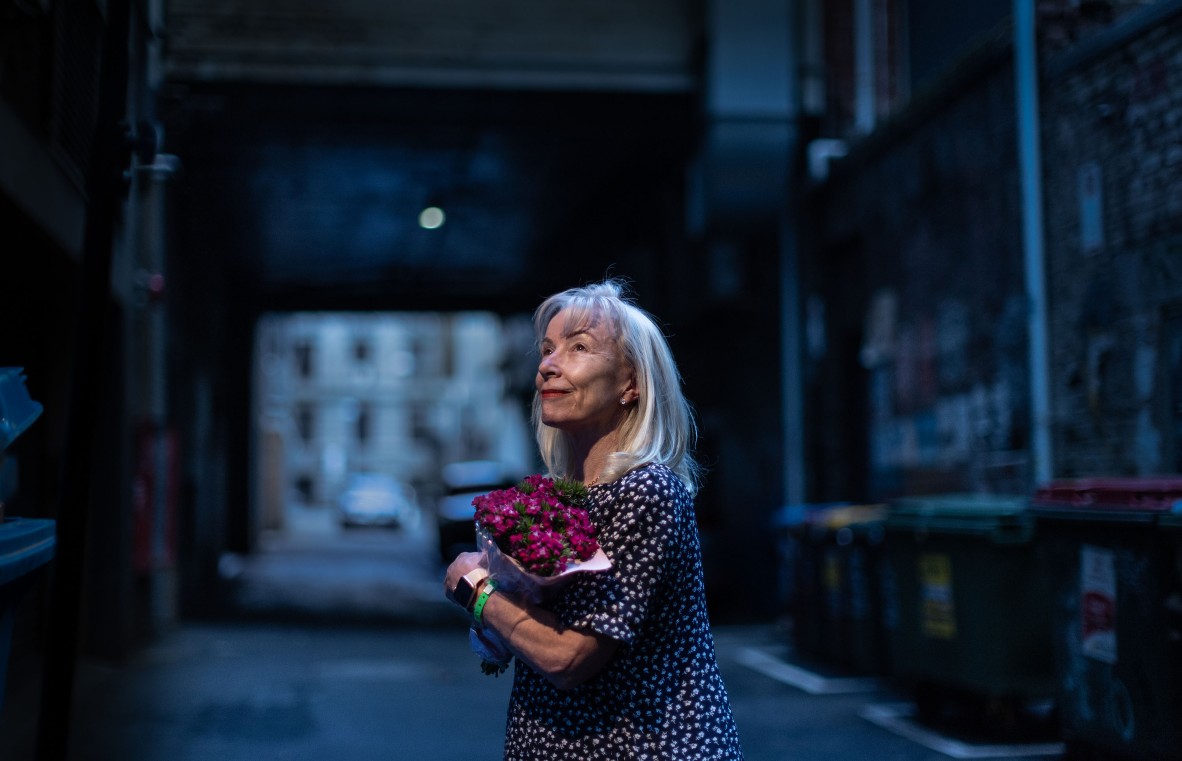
[(637, 531)]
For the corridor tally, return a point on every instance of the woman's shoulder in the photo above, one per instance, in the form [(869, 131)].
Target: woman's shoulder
[(653, 477)]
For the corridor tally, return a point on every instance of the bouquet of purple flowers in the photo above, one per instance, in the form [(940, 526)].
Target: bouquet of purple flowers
[(534, 536), (539, 524)]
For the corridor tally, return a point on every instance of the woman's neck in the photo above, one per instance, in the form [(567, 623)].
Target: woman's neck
[(593, 458)]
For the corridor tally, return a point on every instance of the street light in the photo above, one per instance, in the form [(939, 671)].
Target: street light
[(431, 218)]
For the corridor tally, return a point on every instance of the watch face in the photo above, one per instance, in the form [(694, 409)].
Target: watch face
[(463, 592), (466, 586)]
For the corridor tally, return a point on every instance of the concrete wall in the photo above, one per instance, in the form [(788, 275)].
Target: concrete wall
[(578, 44), (66, 202)]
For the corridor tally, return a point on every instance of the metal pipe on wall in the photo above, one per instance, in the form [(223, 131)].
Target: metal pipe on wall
[(1030, 177), (865, 107)]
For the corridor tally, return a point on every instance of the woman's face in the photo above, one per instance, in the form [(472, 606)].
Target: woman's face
[(581, 378)]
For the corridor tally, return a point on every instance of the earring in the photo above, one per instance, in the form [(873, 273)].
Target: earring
[(623, 402)]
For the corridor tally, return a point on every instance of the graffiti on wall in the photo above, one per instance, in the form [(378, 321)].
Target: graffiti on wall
[(950, 433), (916, 422)]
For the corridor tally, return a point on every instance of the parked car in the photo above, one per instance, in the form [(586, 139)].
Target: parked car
[(454, 514), (375, 499)]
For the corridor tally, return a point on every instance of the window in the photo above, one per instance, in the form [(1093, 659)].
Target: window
[(304, 486), (364, 423), (305, 421), (303, 358)]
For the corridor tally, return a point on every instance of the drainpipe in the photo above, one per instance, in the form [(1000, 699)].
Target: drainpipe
[(865, 107), (791, 359), (1030, 163)]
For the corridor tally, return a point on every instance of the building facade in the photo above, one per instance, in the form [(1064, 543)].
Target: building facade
[(401, 394)]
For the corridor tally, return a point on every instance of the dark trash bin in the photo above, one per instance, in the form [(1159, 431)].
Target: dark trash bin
[(834, 600), (970, 617), (801, 582), (1111, 551), (848, 547), (26, 546)]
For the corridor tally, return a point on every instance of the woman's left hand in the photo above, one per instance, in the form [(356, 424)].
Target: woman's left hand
[(463, 563)]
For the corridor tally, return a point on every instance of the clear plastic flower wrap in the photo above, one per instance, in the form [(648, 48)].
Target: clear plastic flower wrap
[(534, 537)]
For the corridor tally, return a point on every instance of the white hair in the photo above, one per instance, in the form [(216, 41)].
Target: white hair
[(660, 426)]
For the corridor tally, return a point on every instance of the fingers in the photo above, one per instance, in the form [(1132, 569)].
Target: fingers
[(463, 563)]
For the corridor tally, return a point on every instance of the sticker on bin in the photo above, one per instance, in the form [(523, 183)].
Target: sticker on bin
[(1097, 603), (935, 579)]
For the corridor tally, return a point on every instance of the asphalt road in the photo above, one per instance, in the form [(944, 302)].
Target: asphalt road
[(342, 647), (251, 691)]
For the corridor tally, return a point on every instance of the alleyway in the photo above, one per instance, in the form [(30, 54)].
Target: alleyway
[(344, 649)]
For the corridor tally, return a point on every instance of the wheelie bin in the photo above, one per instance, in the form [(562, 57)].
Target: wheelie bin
[(1111, 551), (971, 625), (801, 576), (864, 587), (799, 584), (836, 610)]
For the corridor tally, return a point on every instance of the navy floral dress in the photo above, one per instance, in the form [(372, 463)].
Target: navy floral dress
[(661, 696)]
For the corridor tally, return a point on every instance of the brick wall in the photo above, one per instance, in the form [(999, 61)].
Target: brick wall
[(914, 279), (1112, 155), (913, 282)]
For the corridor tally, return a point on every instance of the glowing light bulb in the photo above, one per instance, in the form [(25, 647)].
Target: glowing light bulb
[(431, 218)]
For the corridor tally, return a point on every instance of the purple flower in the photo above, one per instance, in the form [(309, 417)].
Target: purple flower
[(540, 523)]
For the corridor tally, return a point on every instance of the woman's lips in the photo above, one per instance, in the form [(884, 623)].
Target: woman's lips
[(550, 394)]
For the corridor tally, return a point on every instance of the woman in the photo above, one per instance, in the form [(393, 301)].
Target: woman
[(621, 665)]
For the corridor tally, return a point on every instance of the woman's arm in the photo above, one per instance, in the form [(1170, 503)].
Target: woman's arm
[(566, 657)]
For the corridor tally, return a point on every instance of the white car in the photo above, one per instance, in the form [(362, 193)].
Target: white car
[(376, 499)]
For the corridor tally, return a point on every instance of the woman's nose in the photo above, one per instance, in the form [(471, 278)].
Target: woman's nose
[(547, 367)]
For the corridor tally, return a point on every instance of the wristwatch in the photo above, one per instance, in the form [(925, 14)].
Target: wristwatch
[(466, 587)]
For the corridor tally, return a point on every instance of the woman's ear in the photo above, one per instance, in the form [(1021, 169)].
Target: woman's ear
[(630, 393)]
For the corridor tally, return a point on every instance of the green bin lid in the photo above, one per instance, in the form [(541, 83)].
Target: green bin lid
[(1136, 499), (1001, 517), (25, 545)]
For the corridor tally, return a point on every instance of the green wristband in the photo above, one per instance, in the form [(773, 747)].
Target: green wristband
[(486, 591)]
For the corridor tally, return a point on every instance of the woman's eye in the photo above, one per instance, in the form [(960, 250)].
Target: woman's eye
[(580, 347)]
